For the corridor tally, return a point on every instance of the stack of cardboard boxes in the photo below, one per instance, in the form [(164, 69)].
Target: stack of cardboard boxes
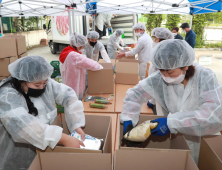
[(43, 42)]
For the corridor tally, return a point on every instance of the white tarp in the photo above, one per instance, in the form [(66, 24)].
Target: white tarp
[(57, 7)]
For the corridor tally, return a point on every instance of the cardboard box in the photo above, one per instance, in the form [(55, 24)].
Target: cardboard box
[(127, 48), (153, 160), (20, 43), (167, 142), (113, 61), (7, 47), (84, 159), (210, 153), (43, 42), (23, 55), (128, 59), (116, 53), (157, 152), (2, 78), (127, 73), (4, 62), (102, 81)]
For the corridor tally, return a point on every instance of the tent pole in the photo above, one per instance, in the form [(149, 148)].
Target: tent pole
[(73, 19), (1, 21), (70, 23), (93, 22), (191, 20)]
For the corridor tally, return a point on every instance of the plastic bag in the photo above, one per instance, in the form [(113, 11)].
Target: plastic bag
[(141, 132), (92, 98)]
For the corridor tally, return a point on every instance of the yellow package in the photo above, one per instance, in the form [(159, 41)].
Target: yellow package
[(141, 132)]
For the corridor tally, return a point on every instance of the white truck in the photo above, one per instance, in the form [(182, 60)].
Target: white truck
[(58, 30)]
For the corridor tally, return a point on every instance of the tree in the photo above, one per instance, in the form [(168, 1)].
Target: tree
[(153, 21), (172, 21)]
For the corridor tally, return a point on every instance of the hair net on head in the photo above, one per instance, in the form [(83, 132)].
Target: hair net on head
[(31, 68), (162, 33), (78, 40), (171, 54), (139, 26), (93, 35), (119, 31)]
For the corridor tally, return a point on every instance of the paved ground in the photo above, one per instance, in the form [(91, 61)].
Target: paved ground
[(216, 61)]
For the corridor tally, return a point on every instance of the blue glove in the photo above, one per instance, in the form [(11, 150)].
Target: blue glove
[(150, 105), (127, 126), (124, 45), (162, 128)]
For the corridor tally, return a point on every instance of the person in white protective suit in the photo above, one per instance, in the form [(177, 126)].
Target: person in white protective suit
[(101, 21), (27, 100), (143, 49), (189, 94), (74, 65), (113, 43), (93, 47), (158, 34)]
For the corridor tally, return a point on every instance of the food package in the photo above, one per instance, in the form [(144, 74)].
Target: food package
[(89, 142), (141, 132), (99, 106)]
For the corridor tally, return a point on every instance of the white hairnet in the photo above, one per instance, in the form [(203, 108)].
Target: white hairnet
[(93, 35), (162, 33), (78, 40), (119, 31), (31, 68), (171, 54), (139, 26)]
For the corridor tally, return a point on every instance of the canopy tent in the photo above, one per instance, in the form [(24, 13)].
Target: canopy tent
[(78, 7)]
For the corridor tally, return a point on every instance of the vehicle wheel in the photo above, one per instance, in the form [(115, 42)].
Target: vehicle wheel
[(53, 47)]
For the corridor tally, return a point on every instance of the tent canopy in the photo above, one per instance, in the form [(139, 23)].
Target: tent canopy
[(58, 7)]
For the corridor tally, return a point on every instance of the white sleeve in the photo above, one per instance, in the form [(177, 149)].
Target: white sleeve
[(121, 42), (118, 46), (206, 120), (66, 96), (152, 69), (24, 127), (105, 56), (136, 50), (133, 101)]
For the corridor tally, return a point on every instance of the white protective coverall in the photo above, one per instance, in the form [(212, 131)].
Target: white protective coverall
[(194, 110), (20, 131), (103, 19), (143, 49)]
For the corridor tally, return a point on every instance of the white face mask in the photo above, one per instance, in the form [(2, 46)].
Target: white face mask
[(184, 31), (174, 80), (174, 34), (154, 44), (138, 34)]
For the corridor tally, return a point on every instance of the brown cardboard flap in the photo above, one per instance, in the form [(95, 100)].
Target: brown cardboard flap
[(179, 142), (190, 164), (128, 79), (66, 161), (4, 62), (208, 160), (150, 159), (35, 164), (126, 67), (106, 65), (20, 43)]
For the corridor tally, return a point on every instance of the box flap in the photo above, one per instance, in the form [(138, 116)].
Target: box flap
[(126, 78), (57, 121), (68, 161), (107, 65), (35, 164), (208, 160), (7, 47), (190, 164), (127, 67), (149, 159)]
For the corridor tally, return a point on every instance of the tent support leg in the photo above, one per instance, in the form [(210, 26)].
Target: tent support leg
[(93, 22), (191, 20)]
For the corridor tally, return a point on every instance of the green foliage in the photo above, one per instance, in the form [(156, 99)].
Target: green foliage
[(172, 21), (198, 24), (213, 45), (153, 21)]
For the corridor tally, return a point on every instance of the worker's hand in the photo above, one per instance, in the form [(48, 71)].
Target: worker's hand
[(120, 55), (162, 128), (81, 132), (127, 126), (69, 141)]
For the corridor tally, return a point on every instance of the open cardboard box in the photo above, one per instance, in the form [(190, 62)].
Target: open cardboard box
[(168, 152), (127, 73), (210, 153), (4, 62), (102, 81), (82, 159), (113, 61), (7, 47)]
